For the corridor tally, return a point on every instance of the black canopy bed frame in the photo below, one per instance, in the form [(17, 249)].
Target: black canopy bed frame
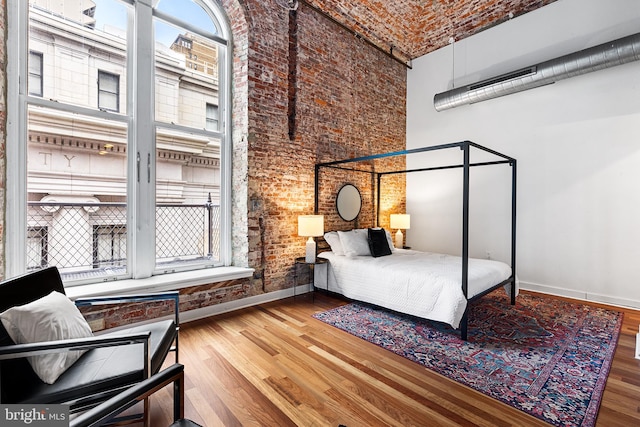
[(466, 165)]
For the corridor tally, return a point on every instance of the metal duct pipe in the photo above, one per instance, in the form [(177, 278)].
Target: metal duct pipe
[(617, 52)]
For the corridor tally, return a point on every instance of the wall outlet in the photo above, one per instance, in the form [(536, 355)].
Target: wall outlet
[(96, 324), (488, 255)]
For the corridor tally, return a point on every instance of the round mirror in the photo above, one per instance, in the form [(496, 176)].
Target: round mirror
[(348, 202)]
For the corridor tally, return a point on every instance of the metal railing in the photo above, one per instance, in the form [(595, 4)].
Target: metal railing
[(91, 238)]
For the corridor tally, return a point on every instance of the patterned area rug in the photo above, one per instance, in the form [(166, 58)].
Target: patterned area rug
[(546, 357)]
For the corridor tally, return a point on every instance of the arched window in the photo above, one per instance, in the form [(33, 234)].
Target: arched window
[(120, 148)]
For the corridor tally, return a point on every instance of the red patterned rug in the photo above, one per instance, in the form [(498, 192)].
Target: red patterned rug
[(546, 357)]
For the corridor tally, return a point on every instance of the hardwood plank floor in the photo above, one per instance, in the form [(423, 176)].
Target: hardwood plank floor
[(274, 365)]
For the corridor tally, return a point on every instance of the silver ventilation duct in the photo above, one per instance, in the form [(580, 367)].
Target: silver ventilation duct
[(617, 52)]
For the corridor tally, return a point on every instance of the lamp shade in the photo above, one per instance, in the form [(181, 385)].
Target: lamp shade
[(310, 225), (400, 221)]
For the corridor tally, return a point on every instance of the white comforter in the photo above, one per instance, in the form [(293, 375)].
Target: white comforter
[(423, 284)]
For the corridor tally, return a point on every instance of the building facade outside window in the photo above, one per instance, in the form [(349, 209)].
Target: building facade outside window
[(126, 181)]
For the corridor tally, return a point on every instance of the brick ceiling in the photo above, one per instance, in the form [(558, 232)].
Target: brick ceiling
[(412, 28)]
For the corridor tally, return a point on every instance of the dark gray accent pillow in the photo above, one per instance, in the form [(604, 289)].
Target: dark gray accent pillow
[(378, 243)]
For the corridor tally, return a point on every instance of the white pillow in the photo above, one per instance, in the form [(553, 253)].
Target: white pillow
[(390, 240), (53, 317), (332, 238), (355, 242)]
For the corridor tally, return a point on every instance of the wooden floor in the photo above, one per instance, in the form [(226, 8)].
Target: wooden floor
[(274, 365)]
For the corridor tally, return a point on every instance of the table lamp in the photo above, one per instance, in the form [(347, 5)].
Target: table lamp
[(401, 222), (310, 226)]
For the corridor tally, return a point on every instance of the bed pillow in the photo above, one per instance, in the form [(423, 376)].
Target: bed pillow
[(50, 318), (355, 242), (378, 243), (332, 238), (389, 238)]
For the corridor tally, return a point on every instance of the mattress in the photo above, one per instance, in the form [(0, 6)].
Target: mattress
[(422, 284)]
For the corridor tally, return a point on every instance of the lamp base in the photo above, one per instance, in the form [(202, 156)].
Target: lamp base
[(399, 239), (310, 254)]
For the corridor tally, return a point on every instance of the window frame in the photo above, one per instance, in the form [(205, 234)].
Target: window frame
[(140, 81)]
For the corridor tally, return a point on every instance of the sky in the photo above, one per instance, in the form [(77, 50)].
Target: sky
[(114, 13)]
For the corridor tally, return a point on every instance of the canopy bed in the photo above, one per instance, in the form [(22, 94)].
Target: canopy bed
[(434, 286)]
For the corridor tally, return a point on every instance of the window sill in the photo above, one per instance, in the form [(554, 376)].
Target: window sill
[(160, 283)]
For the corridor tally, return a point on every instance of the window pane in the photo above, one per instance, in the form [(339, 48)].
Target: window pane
[(188, 164), (187, 197), (35, 83), (35, 63), (76, 181), (109, 101), (87, 38), (186, 76), (188, 11), (108, 82)]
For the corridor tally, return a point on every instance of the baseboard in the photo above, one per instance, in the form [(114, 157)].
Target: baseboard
[(225, 307), (580, 295)]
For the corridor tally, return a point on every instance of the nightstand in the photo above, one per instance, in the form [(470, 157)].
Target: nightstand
[(312, 265)]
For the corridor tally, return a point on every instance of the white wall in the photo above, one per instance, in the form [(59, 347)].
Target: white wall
[(577, 143)]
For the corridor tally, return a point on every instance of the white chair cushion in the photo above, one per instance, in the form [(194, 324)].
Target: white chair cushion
[(50, 318)]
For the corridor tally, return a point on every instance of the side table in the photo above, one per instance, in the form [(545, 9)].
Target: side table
[(312, 265)]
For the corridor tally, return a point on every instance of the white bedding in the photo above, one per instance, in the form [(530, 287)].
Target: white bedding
[(423, 284)]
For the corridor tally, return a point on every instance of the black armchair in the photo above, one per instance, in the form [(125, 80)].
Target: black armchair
[(135, 394), (113, 361)]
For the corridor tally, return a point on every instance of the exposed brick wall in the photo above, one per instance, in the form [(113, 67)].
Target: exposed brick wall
[(355, 106), (350, 102), (415, 28), (190, 298)]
